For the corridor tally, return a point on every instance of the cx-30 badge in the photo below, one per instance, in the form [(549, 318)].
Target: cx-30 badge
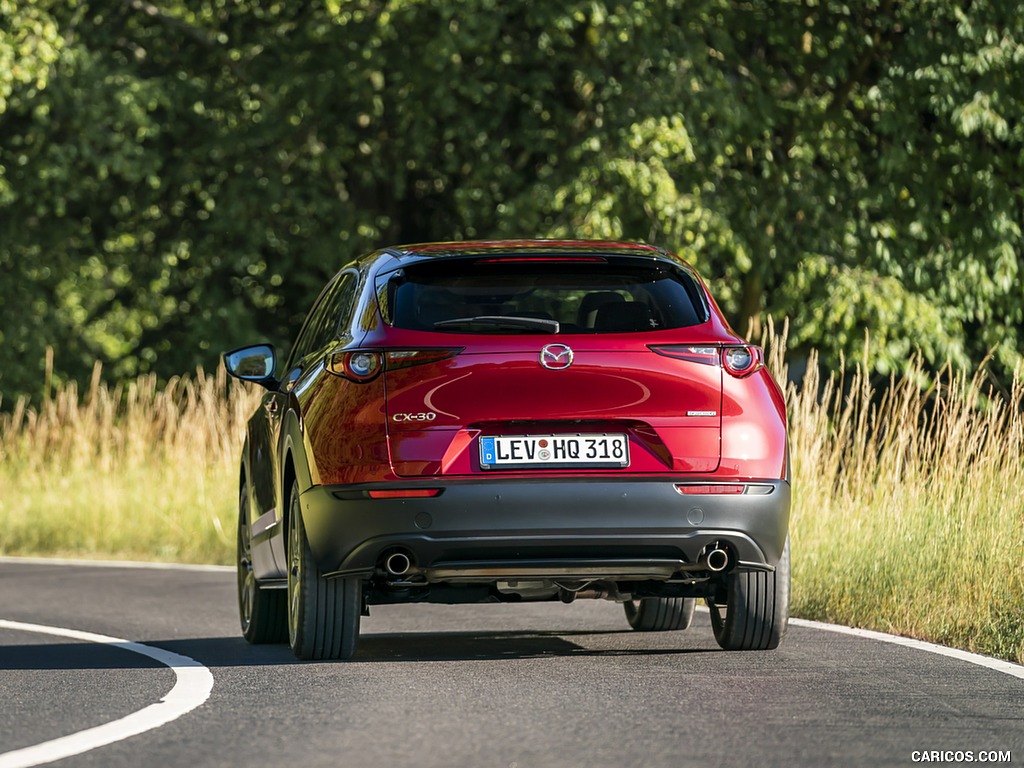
[(556, 357)]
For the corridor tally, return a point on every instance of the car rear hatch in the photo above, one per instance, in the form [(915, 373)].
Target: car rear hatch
[(559, 365)]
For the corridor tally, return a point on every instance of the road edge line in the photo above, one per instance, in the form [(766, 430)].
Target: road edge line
[(989, 662)]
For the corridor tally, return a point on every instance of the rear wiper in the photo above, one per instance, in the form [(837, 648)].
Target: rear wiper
[(510, 322)]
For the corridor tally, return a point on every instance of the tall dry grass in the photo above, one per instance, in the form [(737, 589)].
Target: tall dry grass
[(908, 515), (133, 471)]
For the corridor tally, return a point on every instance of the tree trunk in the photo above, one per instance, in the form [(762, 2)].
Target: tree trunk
[(751, 295)]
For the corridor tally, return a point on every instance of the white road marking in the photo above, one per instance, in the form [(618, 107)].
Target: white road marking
[(192, 688), (996, 665)]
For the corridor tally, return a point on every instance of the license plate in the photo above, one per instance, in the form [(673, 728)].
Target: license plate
[(554, 451)]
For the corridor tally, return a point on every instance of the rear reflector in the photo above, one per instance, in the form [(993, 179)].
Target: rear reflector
[(406, 493), (709, 489)]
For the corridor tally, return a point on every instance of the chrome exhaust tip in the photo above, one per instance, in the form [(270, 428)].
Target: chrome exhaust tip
[(716, 558), (397, 563)]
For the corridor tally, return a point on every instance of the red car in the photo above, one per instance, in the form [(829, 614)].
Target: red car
[(513, 421)]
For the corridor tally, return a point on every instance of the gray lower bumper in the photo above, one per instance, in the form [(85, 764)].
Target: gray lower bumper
[(547, 520)]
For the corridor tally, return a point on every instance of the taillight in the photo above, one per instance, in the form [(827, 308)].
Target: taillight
[(362, 365), (742, 361), (703, 355), (359, 365), (406, 358)]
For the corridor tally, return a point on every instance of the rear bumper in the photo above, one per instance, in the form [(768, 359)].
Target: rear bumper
[(592, 520)]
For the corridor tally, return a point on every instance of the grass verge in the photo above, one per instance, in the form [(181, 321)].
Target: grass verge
[(907, 516), (134, 472)]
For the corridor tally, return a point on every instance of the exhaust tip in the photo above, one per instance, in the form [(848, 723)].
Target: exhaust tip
[(716, 557), (397, 563)]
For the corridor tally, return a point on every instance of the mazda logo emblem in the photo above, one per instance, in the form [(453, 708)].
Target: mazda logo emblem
[(556, 357)]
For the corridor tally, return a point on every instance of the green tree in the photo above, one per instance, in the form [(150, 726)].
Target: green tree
[(179, 177)]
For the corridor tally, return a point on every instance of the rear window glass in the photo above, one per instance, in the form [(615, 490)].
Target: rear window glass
[(613, 296)]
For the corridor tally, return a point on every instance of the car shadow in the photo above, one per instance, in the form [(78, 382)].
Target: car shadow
[(492, 646), (71, 656), (404, 647)]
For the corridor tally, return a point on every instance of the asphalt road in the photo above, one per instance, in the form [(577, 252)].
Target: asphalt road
[(497, 686)]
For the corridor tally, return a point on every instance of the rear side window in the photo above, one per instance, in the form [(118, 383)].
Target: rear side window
[(521, 296), (321, 327)]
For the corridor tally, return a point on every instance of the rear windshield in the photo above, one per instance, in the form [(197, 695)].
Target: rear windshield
[(607, 296)]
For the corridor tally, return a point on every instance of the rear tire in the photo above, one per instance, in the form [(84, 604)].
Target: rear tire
[(660, 614), (755, 613), (263, 613), (323, 614)]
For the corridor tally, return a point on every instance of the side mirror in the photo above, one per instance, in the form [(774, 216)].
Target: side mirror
[(255, 364)]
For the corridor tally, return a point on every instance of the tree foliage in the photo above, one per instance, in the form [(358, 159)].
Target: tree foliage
[(180, 177)]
